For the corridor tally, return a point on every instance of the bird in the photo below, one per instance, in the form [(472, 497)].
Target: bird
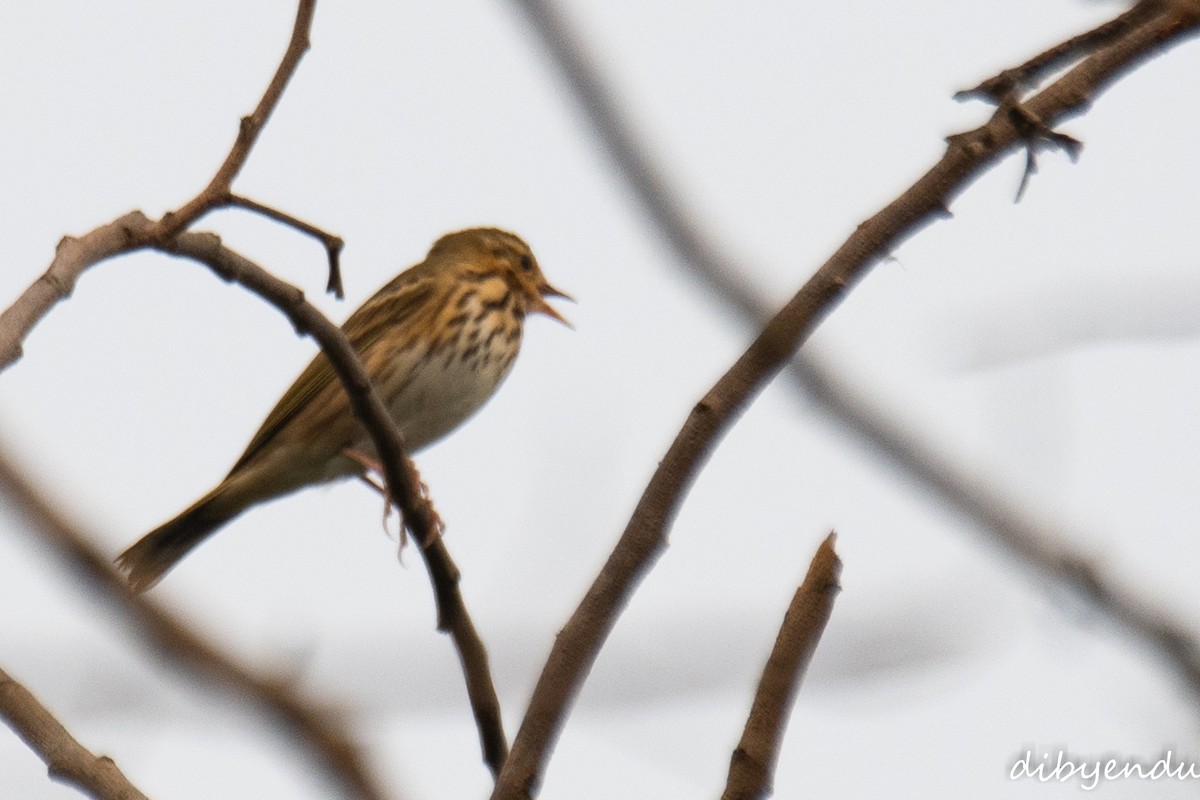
[(437, 341)]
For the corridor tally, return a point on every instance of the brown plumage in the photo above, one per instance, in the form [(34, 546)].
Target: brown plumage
[(437, 341)]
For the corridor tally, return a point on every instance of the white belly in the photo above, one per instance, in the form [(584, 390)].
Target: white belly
[(444, 391)]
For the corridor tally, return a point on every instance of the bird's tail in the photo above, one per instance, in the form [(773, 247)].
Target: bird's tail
[(161, 549)]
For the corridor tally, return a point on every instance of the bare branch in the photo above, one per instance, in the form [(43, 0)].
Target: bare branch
[(74, 256), (333, 244), (753, 762), (332, 748), (642, 542), (135, 231), (1008, 84), (1037, 546), (248, 132), (68, 760), (118, 237), (71, 258)]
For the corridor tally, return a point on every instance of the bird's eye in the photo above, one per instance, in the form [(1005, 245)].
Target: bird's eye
[(526, 263)]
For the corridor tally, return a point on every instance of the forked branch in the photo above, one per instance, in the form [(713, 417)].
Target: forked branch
[(169, 234), (248, 132), (1010, 83), (72, 259)]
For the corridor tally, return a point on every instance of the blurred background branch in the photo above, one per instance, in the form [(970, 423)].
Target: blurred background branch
[(330, 746), (67, 760)]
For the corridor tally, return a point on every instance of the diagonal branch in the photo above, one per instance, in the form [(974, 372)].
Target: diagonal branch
[(67, 760), (753, 762), (644, 175), (248, 132), (1008, 84), (967, 156), (1038, 547)]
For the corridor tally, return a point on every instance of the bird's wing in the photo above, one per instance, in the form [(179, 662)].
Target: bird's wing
[(365, 327)]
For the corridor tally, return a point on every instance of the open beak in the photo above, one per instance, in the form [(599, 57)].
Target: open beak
[(541, 306)]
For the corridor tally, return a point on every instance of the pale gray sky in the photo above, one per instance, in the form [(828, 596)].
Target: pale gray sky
[(996, 333)]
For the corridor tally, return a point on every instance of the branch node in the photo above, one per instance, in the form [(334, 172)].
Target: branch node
[(995, 89), (246, 128), (59, 285), (1037, 134)]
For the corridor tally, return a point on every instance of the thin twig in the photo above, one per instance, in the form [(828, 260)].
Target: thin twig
[(752, 766), (1038, 136), (333, 244), (248, 132), (331, 747), (56, 284), (642, 542), (68, 761), (1006, 85)]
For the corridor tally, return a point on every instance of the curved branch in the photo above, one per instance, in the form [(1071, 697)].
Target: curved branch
[(121, 236), (404, 486), (72, 257), (967, 155)]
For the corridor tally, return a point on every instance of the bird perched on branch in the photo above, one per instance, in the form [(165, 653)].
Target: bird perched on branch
[(437, 341)]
